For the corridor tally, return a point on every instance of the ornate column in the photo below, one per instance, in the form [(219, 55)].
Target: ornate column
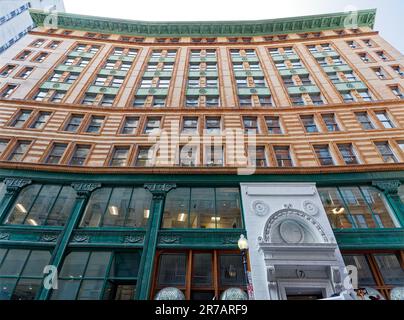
[(13, 187), (83, 191), (390, 190), (159, 192)]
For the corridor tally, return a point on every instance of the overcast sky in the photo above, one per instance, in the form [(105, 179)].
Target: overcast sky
[(389, 18)]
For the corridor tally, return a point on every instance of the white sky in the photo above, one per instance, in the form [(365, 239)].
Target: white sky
[(389, 18)]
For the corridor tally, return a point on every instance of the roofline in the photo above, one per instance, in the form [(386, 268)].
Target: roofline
[(313, 23)]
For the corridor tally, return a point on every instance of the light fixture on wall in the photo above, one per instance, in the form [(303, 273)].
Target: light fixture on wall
[(32, 222), (21, 208), (337, 211), (113, 210), (181, 217), (213, 219), (146, 213)]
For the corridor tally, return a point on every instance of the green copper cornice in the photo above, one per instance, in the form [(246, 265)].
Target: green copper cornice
[(365, 18)]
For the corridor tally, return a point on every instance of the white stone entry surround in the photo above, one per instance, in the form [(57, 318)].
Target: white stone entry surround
[(292, 246)]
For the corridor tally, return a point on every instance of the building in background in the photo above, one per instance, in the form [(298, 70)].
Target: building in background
[(15, 20), (126, 149)]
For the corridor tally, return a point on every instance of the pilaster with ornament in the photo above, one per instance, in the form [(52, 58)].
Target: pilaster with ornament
[(83, 191), (390, 191), (13, 188), (159, 191)]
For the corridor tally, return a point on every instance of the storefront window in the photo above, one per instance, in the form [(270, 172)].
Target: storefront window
[(202, 208), (389, 266), (21, 273), (117, 207), (365, 277), (200, 275), (382, 271), (356, 207), (42, 205), (98, 275), (172, 270)]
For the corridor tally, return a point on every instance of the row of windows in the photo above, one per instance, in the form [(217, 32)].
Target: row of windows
[(192, 101), (269, 38), (112, 275), (77, 154), (358, 207), (130, 125)]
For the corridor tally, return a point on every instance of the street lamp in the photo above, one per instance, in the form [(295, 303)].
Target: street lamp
[(243, 246)]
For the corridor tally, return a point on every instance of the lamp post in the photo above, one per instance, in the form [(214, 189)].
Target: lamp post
[(243, 246)]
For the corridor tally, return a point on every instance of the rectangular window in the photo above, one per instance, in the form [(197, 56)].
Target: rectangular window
[(245, 101), (139, 101), (107, 100), (3, 145), (22, 117), (348, 153), (80, 155), (273, 125), (23, 55), (117, 82), (7, 70), (7, 91), (324, 155), (214, 156), (250, 125), (297, 100), (41, 120), (257, 157), (89, 99), (119, 157), (212, 101), (190, 125), (163, 83), (40, 57), (56, 154), (386, 152), (95, 124), (364, 120), (316, 99), (25, 72), (213, 125), (380, 73), (152, 125), (309, 124), (19, 151), (382, 55), (53, 45), (192, 101), (398, 70), (159, 101), (74, 123), (265, 101), (384, 119), (283, 157), (365, 95), (188, 156), (145, 157), (330, 122), (397, 92), (347, 96), (130, 125)]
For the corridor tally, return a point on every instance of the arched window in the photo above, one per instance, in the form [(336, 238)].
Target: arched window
[(43, 205), (118, 207)]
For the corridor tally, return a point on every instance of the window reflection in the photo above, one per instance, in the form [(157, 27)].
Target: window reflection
[(43, 205), (203, 208), (356, 207), (117, 207)]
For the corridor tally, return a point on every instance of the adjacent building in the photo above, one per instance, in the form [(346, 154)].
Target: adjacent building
[(135, 154), (15, 20)]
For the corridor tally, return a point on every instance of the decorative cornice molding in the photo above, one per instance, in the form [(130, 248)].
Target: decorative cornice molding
[(315, 23), (14, 185), (159, 190), (387, 186), (84, 189)]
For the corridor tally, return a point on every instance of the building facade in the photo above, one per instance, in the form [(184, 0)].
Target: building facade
[(15, 20), (135, 154)]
